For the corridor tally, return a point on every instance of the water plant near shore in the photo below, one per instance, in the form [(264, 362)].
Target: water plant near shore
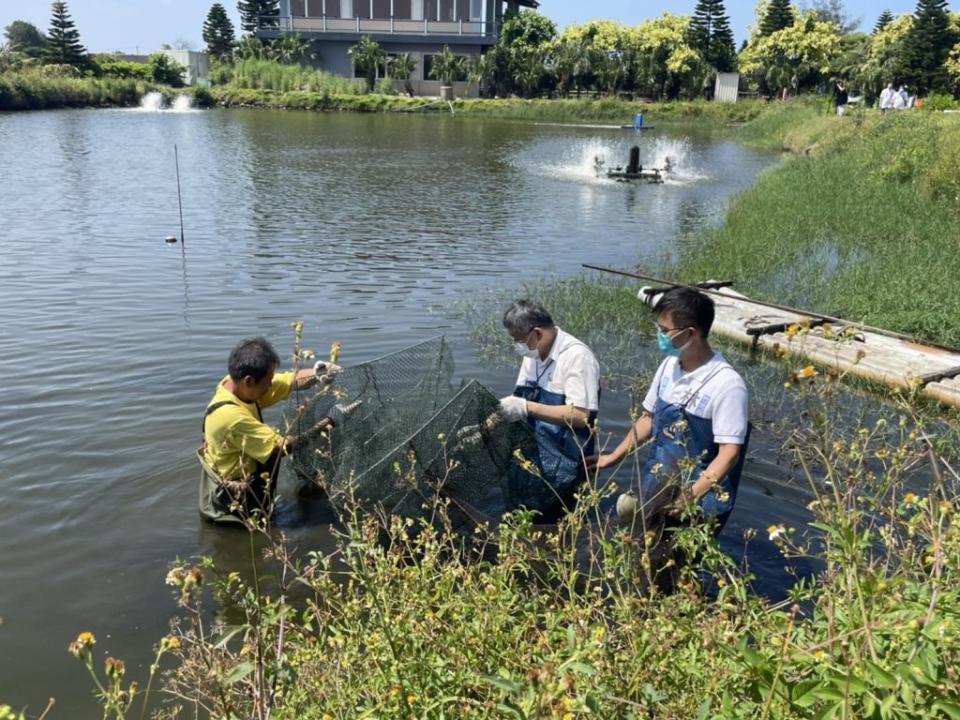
[(38, 91), (403, 619)]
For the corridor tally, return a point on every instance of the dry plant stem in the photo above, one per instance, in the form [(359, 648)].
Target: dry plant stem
[(50, 703), (776, 676)]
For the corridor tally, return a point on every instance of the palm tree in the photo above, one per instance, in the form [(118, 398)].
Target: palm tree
[(528, 69), (447, 67), (481, 70), (250, 48), (571, 63), (291, 49), (401, 67), (367, 55)]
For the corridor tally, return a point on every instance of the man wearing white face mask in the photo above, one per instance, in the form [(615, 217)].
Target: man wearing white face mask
[(557, 393)]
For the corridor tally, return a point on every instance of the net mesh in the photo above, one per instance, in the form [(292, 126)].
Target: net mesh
[(405, 431)]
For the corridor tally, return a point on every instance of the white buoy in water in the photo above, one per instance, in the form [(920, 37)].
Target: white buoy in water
[(170, 240)]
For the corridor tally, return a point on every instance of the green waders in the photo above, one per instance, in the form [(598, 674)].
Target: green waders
[(230, 500)]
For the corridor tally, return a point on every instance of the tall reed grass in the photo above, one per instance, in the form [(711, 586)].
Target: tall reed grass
[(37, 91), (282, 78)]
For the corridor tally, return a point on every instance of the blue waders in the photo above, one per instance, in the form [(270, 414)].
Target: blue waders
[(561, 448), (678, 435)]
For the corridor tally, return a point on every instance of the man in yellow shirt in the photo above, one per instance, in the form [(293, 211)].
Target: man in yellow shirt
[(241, 454)]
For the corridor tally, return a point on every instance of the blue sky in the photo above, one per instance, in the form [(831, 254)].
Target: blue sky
[(129, 25)]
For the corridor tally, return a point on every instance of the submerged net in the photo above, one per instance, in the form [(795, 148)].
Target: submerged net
[(405, 431)]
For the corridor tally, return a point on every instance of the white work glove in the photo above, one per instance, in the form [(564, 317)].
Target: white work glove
[(513, 408), (647, 298), (325, 371), (339, 413)]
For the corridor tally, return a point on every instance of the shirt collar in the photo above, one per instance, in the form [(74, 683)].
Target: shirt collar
[(560, 343)]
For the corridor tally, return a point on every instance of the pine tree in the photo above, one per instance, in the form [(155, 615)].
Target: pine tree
[(711, 35), (779, 16), (255, 13), (927, 45), (886, 17), (723, 53), (63, 41), (218, 32)]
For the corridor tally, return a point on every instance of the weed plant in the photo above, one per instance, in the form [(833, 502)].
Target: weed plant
[(283, 78), (35, 90), (409, 619)]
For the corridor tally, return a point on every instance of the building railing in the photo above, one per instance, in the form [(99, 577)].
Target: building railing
[(405, 26)]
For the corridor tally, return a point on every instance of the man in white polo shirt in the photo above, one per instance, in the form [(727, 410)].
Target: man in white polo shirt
[(557, 393), (695, 410)]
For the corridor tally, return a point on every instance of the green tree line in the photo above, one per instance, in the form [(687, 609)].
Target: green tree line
[(59, 52)]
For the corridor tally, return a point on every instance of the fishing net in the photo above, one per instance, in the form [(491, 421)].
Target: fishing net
[(405, 431)]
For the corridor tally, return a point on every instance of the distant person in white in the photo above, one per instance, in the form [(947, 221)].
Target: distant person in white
[(695, 410), (557, 393), (886, 98), (901, 98)]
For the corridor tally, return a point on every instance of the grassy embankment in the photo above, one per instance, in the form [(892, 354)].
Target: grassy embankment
[(861, 222), (257, 83), (33, 90)]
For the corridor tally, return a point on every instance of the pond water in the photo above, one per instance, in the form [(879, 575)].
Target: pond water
[(369, 228)]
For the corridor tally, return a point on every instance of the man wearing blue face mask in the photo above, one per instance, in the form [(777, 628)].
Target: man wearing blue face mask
[(557, 393), (695, 410)]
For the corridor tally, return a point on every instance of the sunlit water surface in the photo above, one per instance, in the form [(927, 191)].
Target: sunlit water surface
[(370, 228)]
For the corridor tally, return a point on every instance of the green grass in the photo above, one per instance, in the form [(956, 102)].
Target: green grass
[(864, 225), (36, 91), (295, 93), (270, 75)]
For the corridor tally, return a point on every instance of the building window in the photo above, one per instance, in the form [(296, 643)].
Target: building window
[(381, 9), (298, 8), (476, 10), (346, 8), (416, 10)]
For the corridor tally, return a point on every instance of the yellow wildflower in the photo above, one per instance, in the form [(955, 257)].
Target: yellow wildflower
[(808, 372), (910, 499), (820, 656), (776, 533), (792, 331)]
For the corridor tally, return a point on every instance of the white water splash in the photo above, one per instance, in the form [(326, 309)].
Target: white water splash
[(151, 102), (580, 162), (683, 169)]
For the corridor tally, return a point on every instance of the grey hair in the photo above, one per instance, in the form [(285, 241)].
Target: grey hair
[(524, 315)]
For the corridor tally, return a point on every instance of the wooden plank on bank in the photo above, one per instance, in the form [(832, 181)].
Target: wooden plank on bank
[(891, 361)]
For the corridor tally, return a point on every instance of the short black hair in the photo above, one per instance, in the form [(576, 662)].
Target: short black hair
[(688, 308), (254, 357), (524, 315)]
